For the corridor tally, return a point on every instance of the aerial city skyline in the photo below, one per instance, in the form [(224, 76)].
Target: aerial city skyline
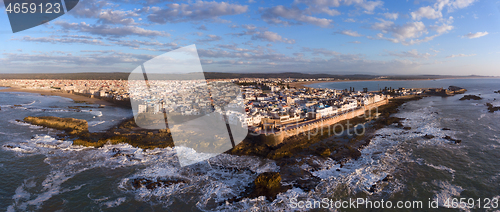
[(445, 37)]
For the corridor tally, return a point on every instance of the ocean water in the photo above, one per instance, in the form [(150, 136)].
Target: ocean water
[(39, 172)]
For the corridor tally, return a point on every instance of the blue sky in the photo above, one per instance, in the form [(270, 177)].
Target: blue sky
[(457, 37)]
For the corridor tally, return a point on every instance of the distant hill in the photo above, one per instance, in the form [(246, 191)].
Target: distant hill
[(218, 75)]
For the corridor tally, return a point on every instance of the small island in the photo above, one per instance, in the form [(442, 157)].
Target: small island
[(470, 97), (451, 91)]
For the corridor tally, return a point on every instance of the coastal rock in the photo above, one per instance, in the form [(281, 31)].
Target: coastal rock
[(492, 108), (456, 141), (427, 136), (299, 178), (70, 125), (496, 91), (267, 184), (388, 178), (470, 97), (152, 184)]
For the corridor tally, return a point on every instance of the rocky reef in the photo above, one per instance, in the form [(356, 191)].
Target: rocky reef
[(125, 132), (155, 183), (456, 141), (267, 184), (71, 125), (492, 108), (470, 97)]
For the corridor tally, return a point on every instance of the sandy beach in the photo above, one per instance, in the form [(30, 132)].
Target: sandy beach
[(74, 97)]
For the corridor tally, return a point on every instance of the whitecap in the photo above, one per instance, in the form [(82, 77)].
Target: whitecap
[(95, 123), (443, 168), (114, 203), (447, 191)]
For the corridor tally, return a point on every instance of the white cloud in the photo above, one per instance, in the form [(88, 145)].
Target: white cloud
[(435, 51), (459, 4), (202, 27), (88, 8), (461, 55), (69, 40), (351, 33), (435, 11), (275, 15), (321, 51), (410, 30), (392, 16), (370, 6), (200, 10), (249, 26), (272, 37), (93, 59), (426, 12), (471, 35), (210, 38), (383, 25), (443, 28), (323, 3), (138, 43), (411, 53), (107, 30), (117, 17), (401, 33)]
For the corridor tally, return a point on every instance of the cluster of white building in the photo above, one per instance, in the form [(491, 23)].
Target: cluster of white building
[(294, 105)]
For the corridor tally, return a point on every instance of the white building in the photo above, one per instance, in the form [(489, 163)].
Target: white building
[(142, 109)]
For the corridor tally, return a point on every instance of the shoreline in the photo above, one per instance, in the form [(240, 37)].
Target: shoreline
[(74, 97)]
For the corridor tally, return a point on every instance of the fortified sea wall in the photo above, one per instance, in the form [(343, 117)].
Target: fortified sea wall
[(313, 126)]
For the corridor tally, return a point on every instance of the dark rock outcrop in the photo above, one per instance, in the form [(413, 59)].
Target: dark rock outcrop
[(427, 136), (492, 108), (267, 184), (470, 97), (152, 184), (456, 141)]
